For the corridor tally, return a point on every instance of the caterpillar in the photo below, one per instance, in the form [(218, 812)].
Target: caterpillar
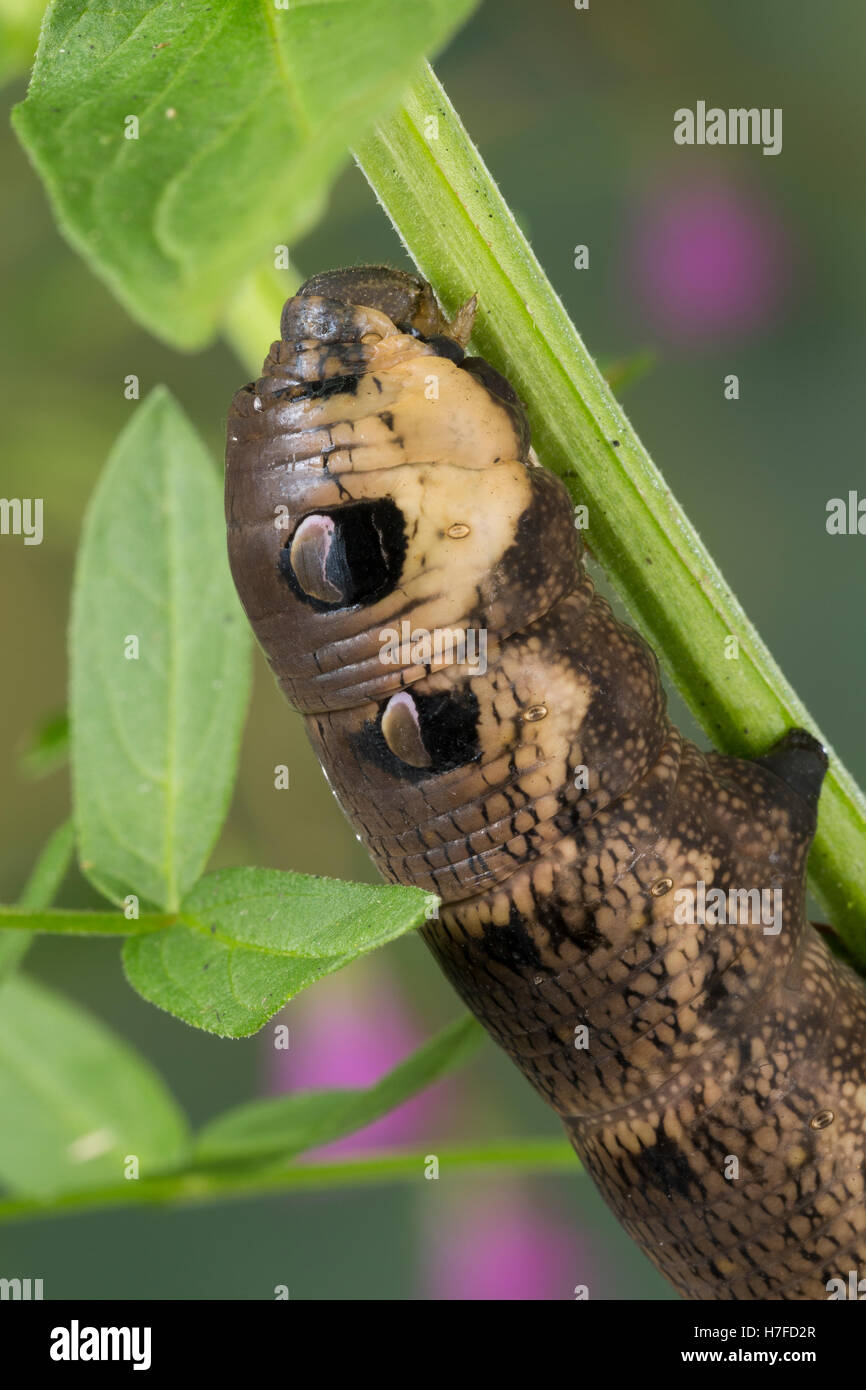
[(707, 1062)]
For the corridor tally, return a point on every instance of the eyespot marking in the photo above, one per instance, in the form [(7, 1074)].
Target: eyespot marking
[(350, 555), (401, 729), (308, 557)]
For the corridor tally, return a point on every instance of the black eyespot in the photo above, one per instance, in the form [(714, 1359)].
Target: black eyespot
[(447, 732), (347, 555)]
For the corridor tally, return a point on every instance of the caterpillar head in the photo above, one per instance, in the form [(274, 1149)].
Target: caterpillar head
[(377, 476), (407, 300)]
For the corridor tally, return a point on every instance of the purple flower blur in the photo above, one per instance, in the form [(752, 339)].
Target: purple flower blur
[(349, 1031), (505, 1246), (708, 259)]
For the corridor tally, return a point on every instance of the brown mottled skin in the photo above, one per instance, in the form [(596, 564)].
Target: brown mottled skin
[(701, 1044)]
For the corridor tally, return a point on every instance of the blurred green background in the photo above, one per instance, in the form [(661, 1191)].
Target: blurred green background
[(719, 260)]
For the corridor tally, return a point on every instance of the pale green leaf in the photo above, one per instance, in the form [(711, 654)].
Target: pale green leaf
[(244, 110), (250, 939), (76, 1102), (39, 891), (287, 1125), (159, 657)]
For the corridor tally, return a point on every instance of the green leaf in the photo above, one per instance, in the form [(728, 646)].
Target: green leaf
[(287, 1126), (154, 736), (250, 939), (47, 748), (39, 890), (245, 112), (19, 30), (75, 1100)]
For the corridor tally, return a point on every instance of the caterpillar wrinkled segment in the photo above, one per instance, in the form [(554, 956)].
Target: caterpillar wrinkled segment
[(710, 1073)]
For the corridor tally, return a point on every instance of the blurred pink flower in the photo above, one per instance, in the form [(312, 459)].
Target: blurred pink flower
[(349, 1031), (505, 1246), (708, 259)]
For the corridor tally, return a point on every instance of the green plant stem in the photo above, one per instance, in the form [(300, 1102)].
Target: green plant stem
[(462, 235), (200, 1186), (69, 922)]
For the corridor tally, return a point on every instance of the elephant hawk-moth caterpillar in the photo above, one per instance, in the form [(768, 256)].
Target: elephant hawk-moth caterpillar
[(709, 1072)]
